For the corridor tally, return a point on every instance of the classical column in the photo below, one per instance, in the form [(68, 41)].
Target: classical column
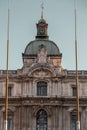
[(56, 120), (21, 111), (63, 119), (83, 119), (16, 119), (28, 118), (52, 119), (60, 120), (1, 120), (67, 121), (86, 119)]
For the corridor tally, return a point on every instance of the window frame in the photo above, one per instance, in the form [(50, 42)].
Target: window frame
[(41, 120), (10, 122), (74, 113), (41, 88), (75, 119), (10, 87), (10, 119), (74, 90)]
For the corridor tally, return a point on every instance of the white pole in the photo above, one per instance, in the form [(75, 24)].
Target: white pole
[(6, 103), (76, 56)]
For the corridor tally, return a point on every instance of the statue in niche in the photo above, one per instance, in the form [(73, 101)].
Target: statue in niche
[(42, 54)]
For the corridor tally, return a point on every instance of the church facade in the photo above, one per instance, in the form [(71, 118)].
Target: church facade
[(42, 94)]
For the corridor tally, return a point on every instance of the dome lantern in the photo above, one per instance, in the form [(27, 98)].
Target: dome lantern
[(42, 27)]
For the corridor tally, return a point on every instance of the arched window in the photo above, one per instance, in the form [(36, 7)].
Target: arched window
[(41, 120), (10, 120), (73, 121), (41, 88)]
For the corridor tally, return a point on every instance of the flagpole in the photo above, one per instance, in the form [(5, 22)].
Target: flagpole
[(76, 57), (6, 102)]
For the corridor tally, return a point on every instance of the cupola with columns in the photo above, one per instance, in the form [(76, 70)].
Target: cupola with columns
[(42, 27)]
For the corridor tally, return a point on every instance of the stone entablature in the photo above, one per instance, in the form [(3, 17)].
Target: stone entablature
[(67, 72)]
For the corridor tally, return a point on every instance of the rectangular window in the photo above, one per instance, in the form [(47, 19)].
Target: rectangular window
[(74, 91), (9, 91), (41, 89)]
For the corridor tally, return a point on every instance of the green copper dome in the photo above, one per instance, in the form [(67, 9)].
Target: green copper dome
[(42, 41), (33, 47)]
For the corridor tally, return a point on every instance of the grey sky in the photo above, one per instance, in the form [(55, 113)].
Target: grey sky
[(59, 14)]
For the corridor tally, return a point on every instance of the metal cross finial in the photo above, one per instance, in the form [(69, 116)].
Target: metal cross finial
[(42, 6)]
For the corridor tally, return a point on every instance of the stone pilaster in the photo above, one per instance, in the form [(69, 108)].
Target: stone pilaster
[(30, 118), (52, 119), (86, 120), (63, 119), (60, 120), (67, 120), (83, 120), (17, 119), (1, 120)]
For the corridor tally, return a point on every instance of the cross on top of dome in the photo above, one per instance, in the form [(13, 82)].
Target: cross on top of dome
[(42, 6)]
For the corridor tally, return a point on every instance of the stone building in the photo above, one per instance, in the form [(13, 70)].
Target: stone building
[(42, 94)]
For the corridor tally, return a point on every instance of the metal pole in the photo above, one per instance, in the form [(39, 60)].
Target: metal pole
[(77, 86), (6, 103), (42, 6)]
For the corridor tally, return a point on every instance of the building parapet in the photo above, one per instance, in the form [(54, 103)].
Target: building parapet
[(80, 72), (9, 72)]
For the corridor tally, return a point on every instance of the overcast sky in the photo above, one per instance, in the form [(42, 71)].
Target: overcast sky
[(59, 14)]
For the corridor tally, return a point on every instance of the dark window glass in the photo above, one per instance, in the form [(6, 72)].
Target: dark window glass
[(9, 123), (74, 91), (41, 89), (9, 91), (41, 120), (73, 122)]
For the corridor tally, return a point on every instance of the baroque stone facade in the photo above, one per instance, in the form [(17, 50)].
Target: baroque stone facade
[(42, 95)]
